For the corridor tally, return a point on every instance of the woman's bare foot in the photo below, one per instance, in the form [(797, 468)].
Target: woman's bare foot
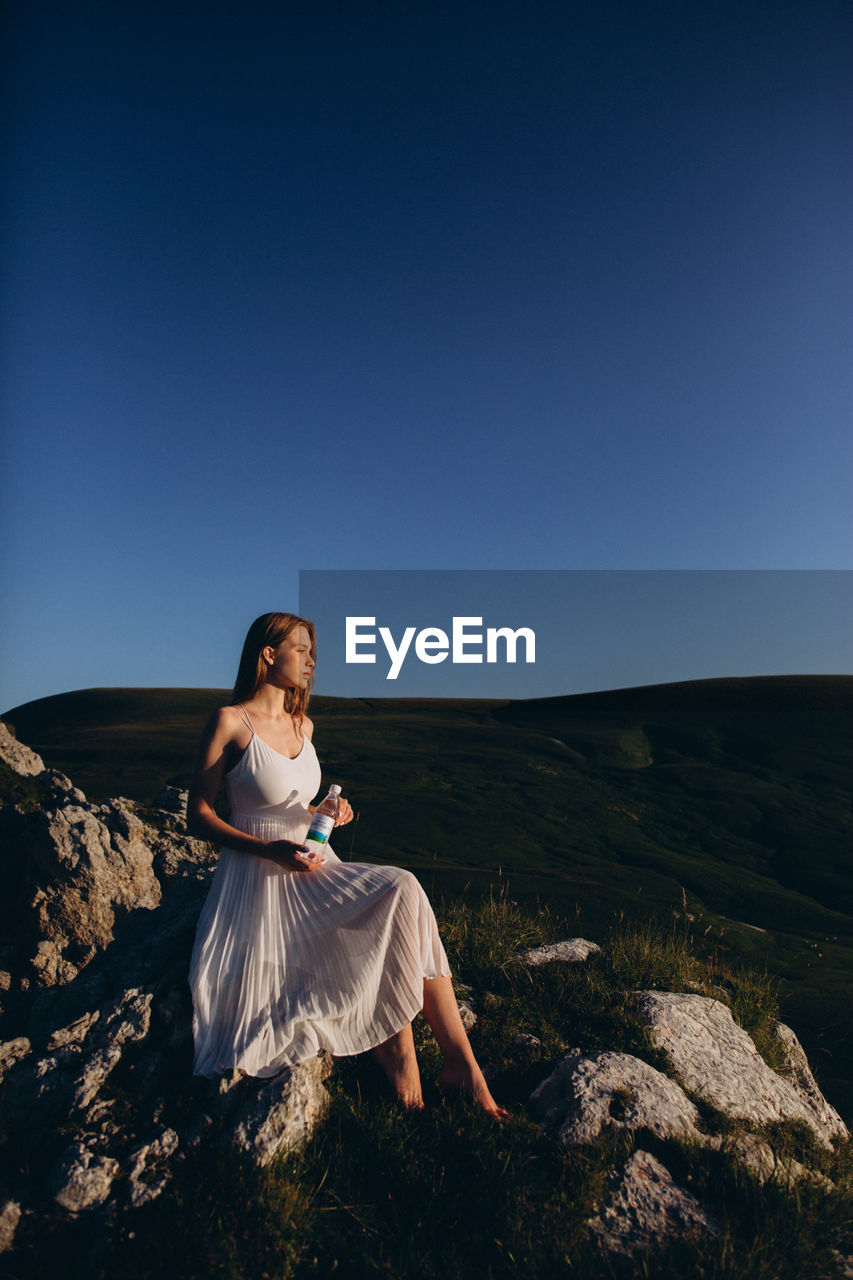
[(460, 1070), (398, 1060), (467, 1077)]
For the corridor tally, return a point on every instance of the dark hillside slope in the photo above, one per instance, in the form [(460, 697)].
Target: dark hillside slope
[(118, 741), (739, 789), (755, 775)]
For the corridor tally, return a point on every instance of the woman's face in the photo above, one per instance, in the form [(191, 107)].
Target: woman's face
[(292, 660)]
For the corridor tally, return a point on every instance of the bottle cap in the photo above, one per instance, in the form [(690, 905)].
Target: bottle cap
[(334, 789)]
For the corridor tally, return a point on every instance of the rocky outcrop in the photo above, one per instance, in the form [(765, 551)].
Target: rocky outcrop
[(83, 1179), (79, 868), (797, 1072), (19, 758), (645, 1209), (715, 1059), (283, 1111), (99, 1101), (85, 865), (766, 1165), (571, 950), (10, 1216), (588, 1093)]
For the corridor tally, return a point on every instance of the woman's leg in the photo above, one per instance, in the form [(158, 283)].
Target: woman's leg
[(398, 1060), (460, 1070)]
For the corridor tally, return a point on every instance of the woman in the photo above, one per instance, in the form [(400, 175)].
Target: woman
[(295, 952)]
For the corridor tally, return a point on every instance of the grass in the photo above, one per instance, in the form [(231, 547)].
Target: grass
[(446, 1193)]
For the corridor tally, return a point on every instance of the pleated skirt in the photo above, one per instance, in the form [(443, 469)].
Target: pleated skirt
[(286, 963)]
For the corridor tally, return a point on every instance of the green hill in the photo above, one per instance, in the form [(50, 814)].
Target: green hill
[(733, 796)]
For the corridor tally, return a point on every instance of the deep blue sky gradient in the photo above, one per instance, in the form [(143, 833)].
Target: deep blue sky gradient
[(414, 285)]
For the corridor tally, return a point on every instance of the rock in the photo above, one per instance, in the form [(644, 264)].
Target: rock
[(127, 1021), (761, 1160), (526, 1041), (18, 757), (61, 789), (84, 866), (172, 799), (10, 1216), (467, 1014), (61, 1085), (716, 1059), (571, 950), (108, 1025), (83, 1180), (645, 1208), (74, 1033), (50, 964), (149, 1171), (588, 1093), (176, 854), (797, 1072), (12, 1051), (284, 1111)]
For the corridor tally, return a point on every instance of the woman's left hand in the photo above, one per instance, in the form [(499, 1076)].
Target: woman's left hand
[(345, 813)]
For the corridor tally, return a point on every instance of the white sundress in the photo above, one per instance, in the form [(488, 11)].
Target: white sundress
[(286, 963)]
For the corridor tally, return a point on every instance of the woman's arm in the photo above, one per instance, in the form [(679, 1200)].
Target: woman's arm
[(222, 730)]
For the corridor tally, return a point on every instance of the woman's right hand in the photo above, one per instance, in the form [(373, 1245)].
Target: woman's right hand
[(293, 857)]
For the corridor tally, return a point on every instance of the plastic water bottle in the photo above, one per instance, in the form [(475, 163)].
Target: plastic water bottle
[(324, 818)]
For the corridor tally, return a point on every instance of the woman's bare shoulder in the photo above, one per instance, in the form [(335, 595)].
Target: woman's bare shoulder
[(308, 727), (220, 737), (224, 722)]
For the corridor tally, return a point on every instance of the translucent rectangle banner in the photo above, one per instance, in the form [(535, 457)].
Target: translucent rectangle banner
[(539, 633)]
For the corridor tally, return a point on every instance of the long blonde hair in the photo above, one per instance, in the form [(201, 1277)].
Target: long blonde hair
[(271, 629)]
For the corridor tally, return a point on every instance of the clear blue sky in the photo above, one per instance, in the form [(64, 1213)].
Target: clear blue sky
[(410, 285)]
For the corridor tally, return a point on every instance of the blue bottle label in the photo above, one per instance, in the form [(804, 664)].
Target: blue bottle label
[(321, 828)]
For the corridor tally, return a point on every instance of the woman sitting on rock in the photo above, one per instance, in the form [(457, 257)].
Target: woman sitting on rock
[(295, 952)]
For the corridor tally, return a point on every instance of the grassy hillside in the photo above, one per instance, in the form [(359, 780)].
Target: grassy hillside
[(730, 798)]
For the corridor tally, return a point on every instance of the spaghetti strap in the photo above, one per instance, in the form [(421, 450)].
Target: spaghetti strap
[(245, 716)]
